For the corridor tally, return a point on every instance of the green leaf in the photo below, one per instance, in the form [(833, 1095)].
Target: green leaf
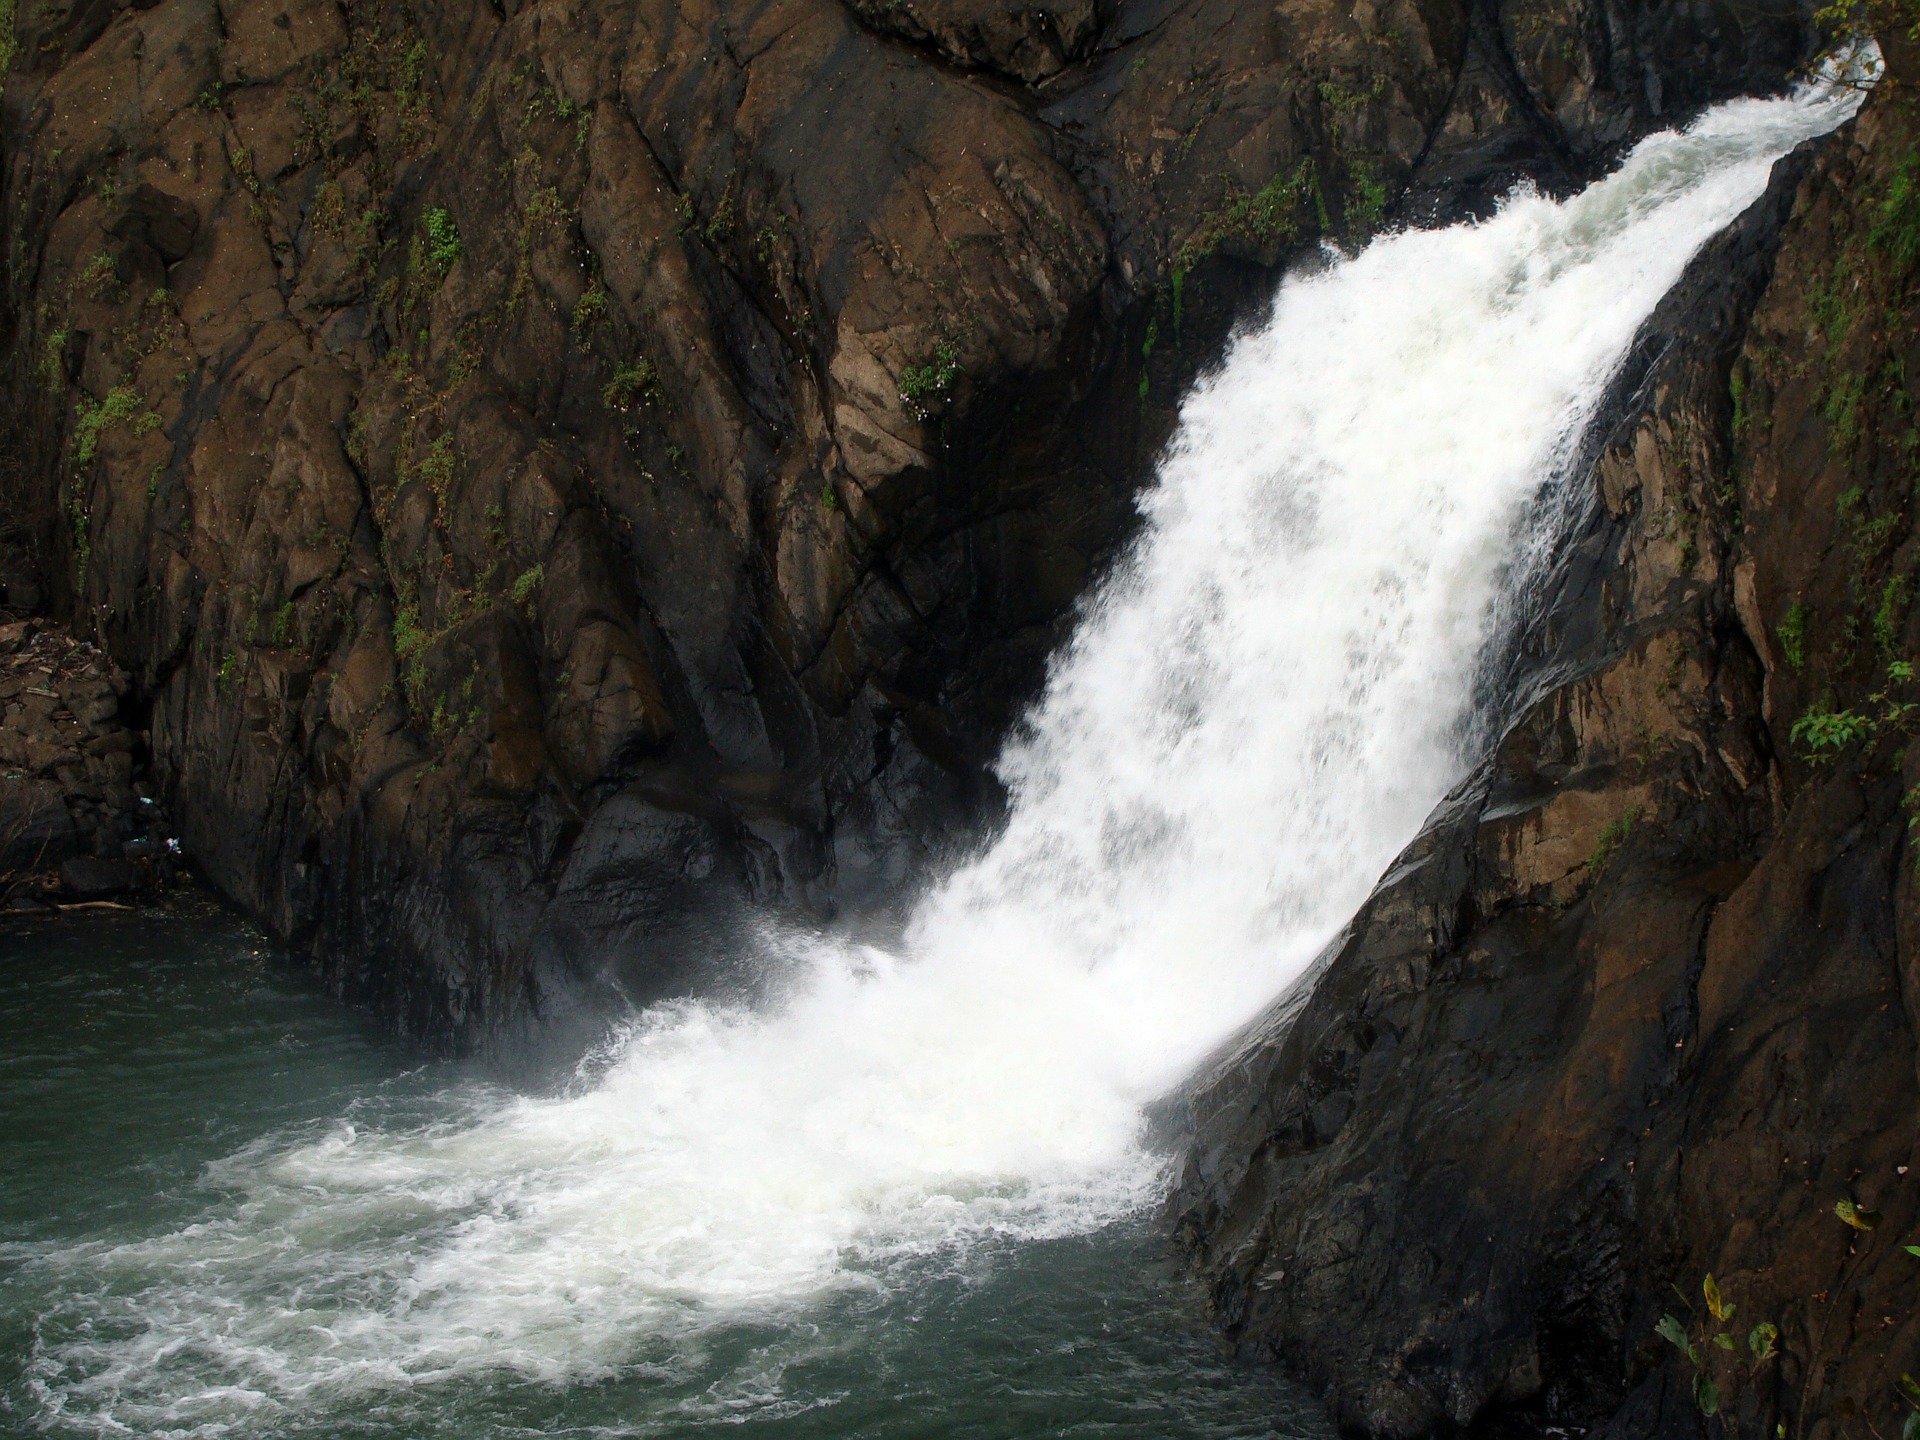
[(1853, 1215), (1706, 1394), (1672, 1331), (1912, 1249), (1725, 1342), (1760, 1340), (1910, 1429), (1910, 1387)]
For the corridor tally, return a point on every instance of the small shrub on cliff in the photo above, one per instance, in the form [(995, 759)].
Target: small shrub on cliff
[(434, 469), (92, 420), (1895, 231), (1824, 732), (638, 381), (923, 386), (1793, 636), (1713, 1332), (53, 360), (587, 310), (528, 582), (439, 245), (1611, 838), (1890, 615), (100, 278), (409, 636)]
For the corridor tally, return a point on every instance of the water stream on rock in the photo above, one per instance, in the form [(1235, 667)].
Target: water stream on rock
[(1259, 708)]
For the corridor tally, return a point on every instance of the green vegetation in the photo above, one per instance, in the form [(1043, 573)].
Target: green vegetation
[(1890, 614), (828, 500), (53, 359), (1895, 227), (630, 382), (720, 226), (587, 311), (1867, 535), (441, 242), (1841, 409), (495, 516), (1713, 1332), (99, 277), (1793, 636), (434, 469), (1271, 213), (227, 677), (526, 583), (924, 386), (1610, 840), (1824, 731), (91, 420)]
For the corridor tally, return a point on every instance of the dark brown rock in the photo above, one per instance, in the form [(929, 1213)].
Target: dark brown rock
[(1640, 1007), (86, 877)]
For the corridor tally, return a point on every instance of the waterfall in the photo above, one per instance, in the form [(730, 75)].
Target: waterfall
[(1261, 704)]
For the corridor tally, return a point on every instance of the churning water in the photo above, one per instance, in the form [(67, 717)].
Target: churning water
[(1261, 705)]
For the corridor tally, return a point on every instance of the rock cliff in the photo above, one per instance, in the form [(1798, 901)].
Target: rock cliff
[(553, 472), (1640, 1007)]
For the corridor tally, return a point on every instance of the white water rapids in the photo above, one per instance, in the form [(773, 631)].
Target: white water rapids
[(1261, 705)]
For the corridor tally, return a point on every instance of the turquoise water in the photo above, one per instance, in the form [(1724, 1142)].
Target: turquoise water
[(146, 1062)]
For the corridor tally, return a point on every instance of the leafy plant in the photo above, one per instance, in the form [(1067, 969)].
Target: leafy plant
[(99, 277), (442, 239), (1714, 1332), (435, 468), (527, 582), (1793, 636), (923, 386), (591, 305), (630, 382), (1895, 230), (91, 420), (1824, 731)]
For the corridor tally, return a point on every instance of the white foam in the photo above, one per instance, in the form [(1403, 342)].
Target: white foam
[(1261, 706)]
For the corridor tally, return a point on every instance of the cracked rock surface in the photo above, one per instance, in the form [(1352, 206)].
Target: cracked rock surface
[(1641, 1005)]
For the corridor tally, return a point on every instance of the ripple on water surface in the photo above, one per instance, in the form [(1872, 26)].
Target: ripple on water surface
[(146, 1062)]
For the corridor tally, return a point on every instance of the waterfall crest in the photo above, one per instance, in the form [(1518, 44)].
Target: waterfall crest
[(1262, 703)]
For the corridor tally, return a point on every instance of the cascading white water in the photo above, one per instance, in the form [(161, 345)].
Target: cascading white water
[(1261, 706)]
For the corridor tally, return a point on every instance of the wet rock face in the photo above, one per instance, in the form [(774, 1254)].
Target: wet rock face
[(78, 816), (554, 471), (1641, 1005)]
